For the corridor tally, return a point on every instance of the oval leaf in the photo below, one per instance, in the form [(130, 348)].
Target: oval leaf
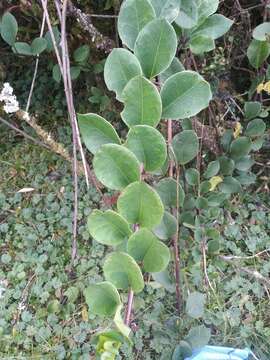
[(120, 67), (123, 272), (230, 185), (255, 128), (96, 131), (155, 47), (38, 45), (185, 146), (145, 248), (133, 16), (184, 95), (175, 67), (258, 52), (212, 169), (115, 166), (108, 227), (102, 298), (262, 32), (23, 48), (142, 103), (167, 190), (198, 336), (140, 204), (148, 145), (167, 228), (195, 305), (9, 28), (207, 8), (201, 43), (214, 26), (240, 147), (166, 9), (188, 16)]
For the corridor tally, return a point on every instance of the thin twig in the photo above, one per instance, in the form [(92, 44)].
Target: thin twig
[(267, 251), (129, 307), (36, 65), (24, 134), (175, 213)]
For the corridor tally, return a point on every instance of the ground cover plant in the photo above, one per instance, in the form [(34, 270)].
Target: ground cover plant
[(162, 245)]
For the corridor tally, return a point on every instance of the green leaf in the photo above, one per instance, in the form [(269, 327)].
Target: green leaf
[(255, 128), (167, 228), (252, 109), (38, 45), (75, 72), (258, 52), (188, 16), (198, 336), (142, 103), (230, 185), (163, 278), (148, 145), (184, 95), (155, 47), (9, 28), (195, 305), (121, 326), (56, 73), (123, 272), (244, 163), (81, 54), (207, 8), (214, 26), (182, 351), (102, 298), (166, 9), (212, 169), (202, 203), (185, 146), (201, 43), (167, 190), (140, 204), (213, 247), (226, 165), (145, 248), (23, 48), (120, 67), (96, 131), (57, 37), (108, 227), (257, 144), (192, 177), (115, 166), (175, 67), (262, 32), (240, 147), (133, 16)]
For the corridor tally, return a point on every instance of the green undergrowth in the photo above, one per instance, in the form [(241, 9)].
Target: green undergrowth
[(43, 314)]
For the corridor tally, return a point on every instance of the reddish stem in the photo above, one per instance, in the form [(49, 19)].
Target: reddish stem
[(129, 307), (175, 237)]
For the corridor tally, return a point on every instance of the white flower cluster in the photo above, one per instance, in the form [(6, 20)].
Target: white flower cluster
[(10, 100)]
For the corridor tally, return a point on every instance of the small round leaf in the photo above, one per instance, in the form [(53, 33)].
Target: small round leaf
[(9, 28), (255, 128), (38, 45), (108, 227), (185, 146), (240, 147), (102, 299), (148, 145), (140, 204), (195, 305), (167, 190), (192, 176), (212, 169), (96, 131), (133, 16), (184, 95), (115, 166), (123, 272), (262, 32), (145, 248), (120, 67), (142, 103), (155, 47), (167, 228)]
